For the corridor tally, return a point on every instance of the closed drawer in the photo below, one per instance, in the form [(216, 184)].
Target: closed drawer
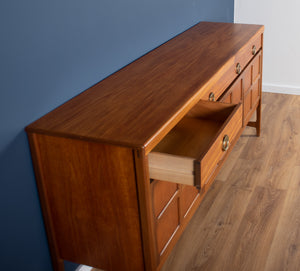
[(233, 69), (248, 51), (226, 75), (190, 153)]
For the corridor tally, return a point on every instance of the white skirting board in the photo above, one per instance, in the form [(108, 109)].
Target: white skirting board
[(281, 89)]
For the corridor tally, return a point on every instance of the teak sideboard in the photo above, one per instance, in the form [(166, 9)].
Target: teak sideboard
[(122, 167)]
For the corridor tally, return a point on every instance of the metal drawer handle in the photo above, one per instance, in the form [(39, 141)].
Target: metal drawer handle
[(253, 50), (225, 143), (211, 97), (238, 68)]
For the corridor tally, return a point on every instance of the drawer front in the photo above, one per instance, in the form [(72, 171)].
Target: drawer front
[(190, 153), (162, 192), (229, 73), (209, 163), (245, 55)]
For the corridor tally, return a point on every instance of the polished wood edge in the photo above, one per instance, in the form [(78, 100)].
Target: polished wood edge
[(145, 208), (28, 129), (57, 262)]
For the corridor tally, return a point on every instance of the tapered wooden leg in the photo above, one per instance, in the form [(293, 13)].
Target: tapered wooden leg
[(258, 118), (256, 124)]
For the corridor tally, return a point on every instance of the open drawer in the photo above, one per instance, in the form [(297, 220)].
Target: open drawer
[(191, 152)]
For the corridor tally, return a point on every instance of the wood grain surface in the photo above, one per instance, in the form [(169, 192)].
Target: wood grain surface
[(91, 197), (250, 218), (140, 103)]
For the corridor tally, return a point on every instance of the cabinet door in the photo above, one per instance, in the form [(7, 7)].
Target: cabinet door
[(165, 202), (252, 87), (173, 204)]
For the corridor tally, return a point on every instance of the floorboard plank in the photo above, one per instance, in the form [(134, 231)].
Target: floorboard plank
[(249, 248), (207, 239), (268, 169), (285, 251)]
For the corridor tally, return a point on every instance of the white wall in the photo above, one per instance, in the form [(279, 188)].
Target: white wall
[(281, 66)]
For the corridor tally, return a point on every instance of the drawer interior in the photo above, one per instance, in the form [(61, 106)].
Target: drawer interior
[(194, 134), (176, 157)]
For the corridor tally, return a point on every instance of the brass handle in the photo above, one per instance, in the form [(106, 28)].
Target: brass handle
[(238, 68), (253, 50), (211, 97), (225, 143)]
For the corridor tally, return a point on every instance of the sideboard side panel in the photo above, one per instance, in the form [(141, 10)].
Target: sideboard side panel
[(146, 210), (91, 194)]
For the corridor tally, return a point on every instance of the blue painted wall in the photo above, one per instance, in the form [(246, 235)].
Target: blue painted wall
[(51, 51)]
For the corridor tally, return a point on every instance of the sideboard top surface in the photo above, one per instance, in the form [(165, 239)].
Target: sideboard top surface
[(134, 105)]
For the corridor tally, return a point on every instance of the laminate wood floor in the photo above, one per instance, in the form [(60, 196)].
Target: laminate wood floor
[(250, 218)]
